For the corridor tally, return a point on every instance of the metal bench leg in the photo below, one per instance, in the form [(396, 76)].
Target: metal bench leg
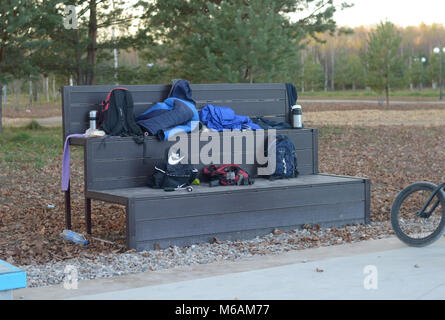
[(88, 215), (68, 208)]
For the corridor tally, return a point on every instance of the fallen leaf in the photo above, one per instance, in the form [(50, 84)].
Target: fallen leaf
[(214, 240)]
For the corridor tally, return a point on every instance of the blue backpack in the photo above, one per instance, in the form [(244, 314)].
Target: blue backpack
[(286, 159)]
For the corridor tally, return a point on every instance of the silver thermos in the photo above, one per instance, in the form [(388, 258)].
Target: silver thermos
[(297, 117), (93, 119)]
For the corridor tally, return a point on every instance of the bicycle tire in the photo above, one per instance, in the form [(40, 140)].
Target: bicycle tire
[(402, 196)]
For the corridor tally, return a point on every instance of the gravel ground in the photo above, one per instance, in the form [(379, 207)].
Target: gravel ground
[(110, 265)]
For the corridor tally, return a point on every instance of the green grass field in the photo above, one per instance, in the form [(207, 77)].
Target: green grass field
[(30, 147), (22, 101)]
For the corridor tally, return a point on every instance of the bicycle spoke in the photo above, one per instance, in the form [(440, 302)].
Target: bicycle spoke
[(415, 226)]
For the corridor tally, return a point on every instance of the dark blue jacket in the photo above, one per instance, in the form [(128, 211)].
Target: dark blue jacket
[(174, 115)]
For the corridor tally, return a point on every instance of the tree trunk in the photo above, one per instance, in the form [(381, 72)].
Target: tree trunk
[(79, 72), (35, 92), (333, 68), (47, 88), (1, 129), (54, 89), (116, 61), (30, 92), (326, 73), (302, 72), (5, 93), (92, 44), (387, 96)]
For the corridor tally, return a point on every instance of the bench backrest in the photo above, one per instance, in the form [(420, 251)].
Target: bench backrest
[(268, 100), (121, 163)]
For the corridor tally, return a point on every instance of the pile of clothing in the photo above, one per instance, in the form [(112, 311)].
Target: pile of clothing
[(178, 114), (221, 118), (174, 115)]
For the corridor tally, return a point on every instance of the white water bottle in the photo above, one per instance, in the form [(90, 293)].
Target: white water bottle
[(297, 117), (93, 119)]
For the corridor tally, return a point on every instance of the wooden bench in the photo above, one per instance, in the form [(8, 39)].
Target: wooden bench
[(11, 278), (116, 171)]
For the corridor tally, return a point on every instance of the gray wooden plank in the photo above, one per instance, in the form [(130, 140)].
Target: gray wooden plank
[(231, 236), (137, 167), (244, 200), (188, 226), (119, 182), (125, 147), (237, 86), (315, 151), (86, 99), (367, 201), (251, 108), (239, 94), (66, 115), (79, 115), (301, 182), (247, 99), (131, 225), (119, 163)]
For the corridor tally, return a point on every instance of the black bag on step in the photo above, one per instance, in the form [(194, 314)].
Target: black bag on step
[(116, 115), (172, 176)]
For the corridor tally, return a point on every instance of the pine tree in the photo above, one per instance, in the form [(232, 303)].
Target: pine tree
[(78, 50), (239, 43), (235, 40), (383, 61), (22, 33)]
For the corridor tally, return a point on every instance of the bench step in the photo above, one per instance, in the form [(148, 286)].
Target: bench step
[(239, 212), (11, 278)]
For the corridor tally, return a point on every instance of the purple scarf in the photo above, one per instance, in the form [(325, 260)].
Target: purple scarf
[(66, 161)]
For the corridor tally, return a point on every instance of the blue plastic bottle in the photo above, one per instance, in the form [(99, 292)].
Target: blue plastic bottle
[(74, 237)]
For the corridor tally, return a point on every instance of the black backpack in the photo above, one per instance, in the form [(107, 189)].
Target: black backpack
[(116, 115), (286, 159)]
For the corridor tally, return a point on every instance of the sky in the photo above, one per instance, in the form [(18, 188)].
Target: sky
[(401, 12)]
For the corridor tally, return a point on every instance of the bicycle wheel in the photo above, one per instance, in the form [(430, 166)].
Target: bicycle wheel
[(409, 227)]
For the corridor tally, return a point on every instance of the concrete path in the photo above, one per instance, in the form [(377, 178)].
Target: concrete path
[(379, 269)]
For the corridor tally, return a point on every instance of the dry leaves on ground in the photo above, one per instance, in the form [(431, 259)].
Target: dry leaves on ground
[(392, 157)]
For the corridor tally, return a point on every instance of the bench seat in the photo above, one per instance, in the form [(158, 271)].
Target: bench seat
[(116, 170), (237, 212)]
